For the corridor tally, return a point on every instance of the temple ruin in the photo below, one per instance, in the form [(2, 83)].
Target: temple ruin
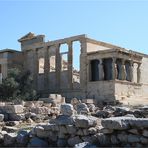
[(107, 72)]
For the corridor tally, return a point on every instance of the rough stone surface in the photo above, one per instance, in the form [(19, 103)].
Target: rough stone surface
[(67, 109), (85, 121), (12, 109), (16, 117), (85, 145), (37, 142), (74, 140), (22, 138), (124, 122), (9, 139), (145, 133), (1, 117), (133, 138), (64, 120), (82, 108), (40, 110)]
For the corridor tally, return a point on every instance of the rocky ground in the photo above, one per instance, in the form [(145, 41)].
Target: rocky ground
[(51, 122)]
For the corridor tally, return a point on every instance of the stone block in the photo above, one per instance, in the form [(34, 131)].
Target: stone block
[(85, 145), (10, 129), (74, 140), (22, 138), (63, 129), (16, 117), (82, 108), (88, 101), (114, 140), (1, 117), (71, 129), (41, 133), (40, 110), (92, 130), (133, 131), (82, 121), (64, 120), (144, 140), (119, 123), (61, 142), (9, 139), (12, 109), (37, 142), (106, 131), (145, 133), (67, 109), (122, 137), (133, 138)]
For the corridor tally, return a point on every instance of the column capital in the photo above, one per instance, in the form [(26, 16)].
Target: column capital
[(69, 43)]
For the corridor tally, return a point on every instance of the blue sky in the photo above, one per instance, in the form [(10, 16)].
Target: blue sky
[(123, 23)]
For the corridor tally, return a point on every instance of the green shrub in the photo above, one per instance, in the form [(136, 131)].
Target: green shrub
[(18, 85)]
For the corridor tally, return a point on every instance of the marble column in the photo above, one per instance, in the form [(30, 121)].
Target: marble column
[(131, 71), (58, 67), (36, 68), (123, 70), (70, 65), (46, 70), (114, 69), (139, 73), (101, 71)]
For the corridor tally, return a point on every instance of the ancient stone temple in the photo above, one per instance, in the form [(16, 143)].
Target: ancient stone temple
[(107, 72)]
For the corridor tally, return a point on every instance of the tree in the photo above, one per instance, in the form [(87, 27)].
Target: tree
[(18, 85)]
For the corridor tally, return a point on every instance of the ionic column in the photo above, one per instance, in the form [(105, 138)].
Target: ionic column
[(123, 71), (70, 65), (131, 71), (114, 69), (46, 70), (58, 67), (101, 71), (139, 73)]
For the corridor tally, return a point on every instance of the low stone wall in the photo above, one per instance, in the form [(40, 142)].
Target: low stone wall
[(73, 125), (126, 131)]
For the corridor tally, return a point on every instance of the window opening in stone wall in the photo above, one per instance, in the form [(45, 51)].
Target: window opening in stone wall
[(76, 46), (52, 63), (64, 62), (107, 67), (94, 71), (63, 48), (41, 65)]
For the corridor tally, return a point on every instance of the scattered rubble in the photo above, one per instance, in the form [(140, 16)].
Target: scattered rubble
[(47, 123)]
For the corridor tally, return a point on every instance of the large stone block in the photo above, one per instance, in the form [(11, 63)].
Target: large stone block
[(67, 109), (85, 121), (119, 123), (37, 142), (16, 117), (22, 138), (1, 117), (64, 120), (12, 109), (74, 140), (40, 110), (9, 139)]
